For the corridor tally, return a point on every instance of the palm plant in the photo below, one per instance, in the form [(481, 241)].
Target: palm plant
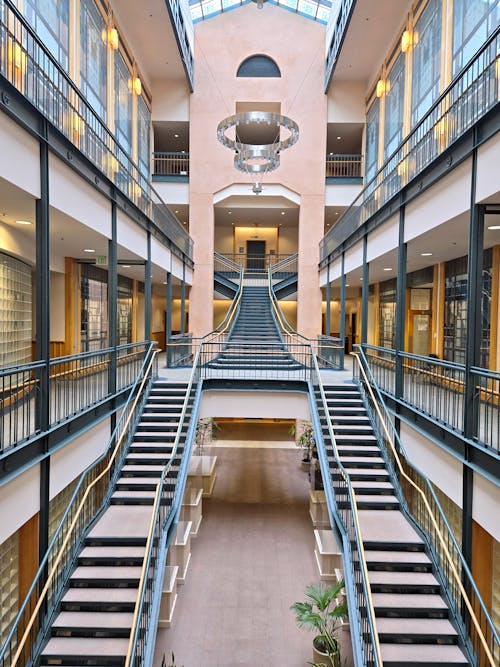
[(322, 612)]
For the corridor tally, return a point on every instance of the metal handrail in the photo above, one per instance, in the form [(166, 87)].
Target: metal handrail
[(82, 116), (370, 610), (370, 385), (122, 424), (398, 161), (156, 520), (340, 165)]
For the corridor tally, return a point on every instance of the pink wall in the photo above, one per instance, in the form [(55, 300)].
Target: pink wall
[(221, 44)]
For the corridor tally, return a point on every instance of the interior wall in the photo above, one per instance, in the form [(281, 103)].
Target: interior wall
[(287, 240), (267, 234)]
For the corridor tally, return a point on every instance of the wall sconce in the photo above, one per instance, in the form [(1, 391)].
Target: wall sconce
[(113, 39), (406, 41), (380, 89), (136, 85)]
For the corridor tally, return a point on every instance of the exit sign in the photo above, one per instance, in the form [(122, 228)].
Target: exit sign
[(101, 259)]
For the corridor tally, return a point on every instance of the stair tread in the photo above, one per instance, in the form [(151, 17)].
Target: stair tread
[(95, 646), (93, 619), (413, 626), (377, 556), (396, 577), (109, 572), (403, 600), (378, 526), (119, 494), (100, 595), (414, 654), (112, 552)]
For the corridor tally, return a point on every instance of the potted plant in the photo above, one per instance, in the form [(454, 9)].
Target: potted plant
[(205, 432), (306, 441), (322, 612)]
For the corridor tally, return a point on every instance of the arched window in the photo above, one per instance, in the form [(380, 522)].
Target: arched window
[(258, 66)]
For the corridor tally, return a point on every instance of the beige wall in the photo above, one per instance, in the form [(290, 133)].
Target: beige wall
[(346, 102), (170, 100), (267, 234), (300, 93)]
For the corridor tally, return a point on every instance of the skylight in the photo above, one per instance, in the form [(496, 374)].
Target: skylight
[(317, 10)]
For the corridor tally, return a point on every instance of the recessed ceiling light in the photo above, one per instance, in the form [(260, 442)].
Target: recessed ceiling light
[(339, 137), (327, 224), (23, 222), (184, 223), (336, 213), (88, 250), (388, 268), (165, 282), (176, 211), (361, 278), (230, 213), (125, 266), (347, 285), (490, 227), (283, 212), (426, 254), (176, 136)]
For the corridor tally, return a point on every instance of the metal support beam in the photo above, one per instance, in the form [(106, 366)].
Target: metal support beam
[(400, 304), (183, 299), (113, 299), (168, 319), (147, 289), (328, 297), (364, 294), (42, 309), (342, 301)]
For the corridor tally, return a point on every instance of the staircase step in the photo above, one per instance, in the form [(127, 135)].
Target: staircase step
[(99, 599), (113, 650), (112, 554), (396, 560), (409, 630), (94, 624), (416, 605), (100, 576), (422, 655), (404, 582)]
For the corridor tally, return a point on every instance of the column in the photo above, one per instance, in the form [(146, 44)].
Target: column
[(201, 227), (311, 227)]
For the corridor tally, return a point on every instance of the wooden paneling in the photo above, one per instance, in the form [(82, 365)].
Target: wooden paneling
[(482, 562), (159, 337), (28, 555)]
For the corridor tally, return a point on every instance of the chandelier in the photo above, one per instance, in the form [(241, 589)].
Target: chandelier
[(257, 159)]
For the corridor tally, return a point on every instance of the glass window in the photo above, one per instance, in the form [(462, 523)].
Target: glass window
[(123, 103), (94, 308), (93, 56), (144, 120), (50, 20), (426, 60), (387, 315), (473, 22), (394, 106), (371, 150), (258, 66), (124, 323)]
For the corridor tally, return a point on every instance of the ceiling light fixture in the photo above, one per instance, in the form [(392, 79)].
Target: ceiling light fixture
[(88, 250), (339, 138), (426, 254), (23, 222), (347, 285), (176, 136), (494, 227), (283, 212), (388, 268), (125, 266)]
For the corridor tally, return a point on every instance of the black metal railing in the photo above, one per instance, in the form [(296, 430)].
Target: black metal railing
[(253, 262), (91, 495), (29, 66), (170, 163), (342, 503), (437, 389), (337, 38), (344, 166), (75, 384), (469, 97), (226, 266), (418, 498)]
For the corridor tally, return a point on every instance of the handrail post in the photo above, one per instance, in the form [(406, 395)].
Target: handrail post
[(400, 305), (364, 293), (113, 299), (328, 290), (168, 319), (147, 287), (342, 308)]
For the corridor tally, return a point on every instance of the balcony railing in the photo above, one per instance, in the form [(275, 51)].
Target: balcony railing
[(170, 164), (473, 92), (28, 65), (257, 263), (436, 389), (344, 166), (76, 383)]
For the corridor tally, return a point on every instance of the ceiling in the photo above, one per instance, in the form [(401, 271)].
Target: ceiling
[(247, 216), (317, 10), (171, 136), (351, 138)]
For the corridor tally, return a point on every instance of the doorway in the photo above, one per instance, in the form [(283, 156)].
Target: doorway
[(256, 251)]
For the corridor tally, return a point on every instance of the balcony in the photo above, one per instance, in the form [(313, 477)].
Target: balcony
[(344, 169), (170, 166)]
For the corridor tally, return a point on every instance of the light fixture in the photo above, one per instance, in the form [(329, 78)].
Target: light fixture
[(380, 89), (406, 41), (230, 213), (184, 223), (339, 138), (283, 212), (336, 212), (494, 227), (113, 39), (23, 222), (426, 254), (176, 136), (259, 3), (347, 285), (125, 266), (88, 250), (137, 85), (388, 268)]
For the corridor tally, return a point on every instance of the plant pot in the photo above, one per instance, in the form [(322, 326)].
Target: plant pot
[(321, 656), (305, 465)]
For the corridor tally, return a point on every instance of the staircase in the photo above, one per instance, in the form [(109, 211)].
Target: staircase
[(254, 341), (413, 620), (95, 617)]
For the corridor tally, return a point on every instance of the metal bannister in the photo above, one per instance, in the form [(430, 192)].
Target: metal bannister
[(30, 67), (344, 166), (468, 98), (360, 602), (164, 516), (337, 38), (88, 500), (421, 504), (170, 163)]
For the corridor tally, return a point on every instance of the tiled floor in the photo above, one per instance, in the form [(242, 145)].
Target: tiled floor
[(252, 559)]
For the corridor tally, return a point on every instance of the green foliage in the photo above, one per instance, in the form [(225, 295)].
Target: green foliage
[(321, 612), (306, 438), (205, 432)]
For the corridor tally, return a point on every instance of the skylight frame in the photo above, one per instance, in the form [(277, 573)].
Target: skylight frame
[(315, 10)]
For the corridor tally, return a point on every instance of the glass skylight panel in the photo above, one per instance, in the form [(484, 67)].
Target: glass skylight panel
[(317, 10)]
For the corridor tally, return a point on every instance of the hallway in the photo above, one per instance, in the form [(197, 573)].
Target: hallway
[(252, 559)]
